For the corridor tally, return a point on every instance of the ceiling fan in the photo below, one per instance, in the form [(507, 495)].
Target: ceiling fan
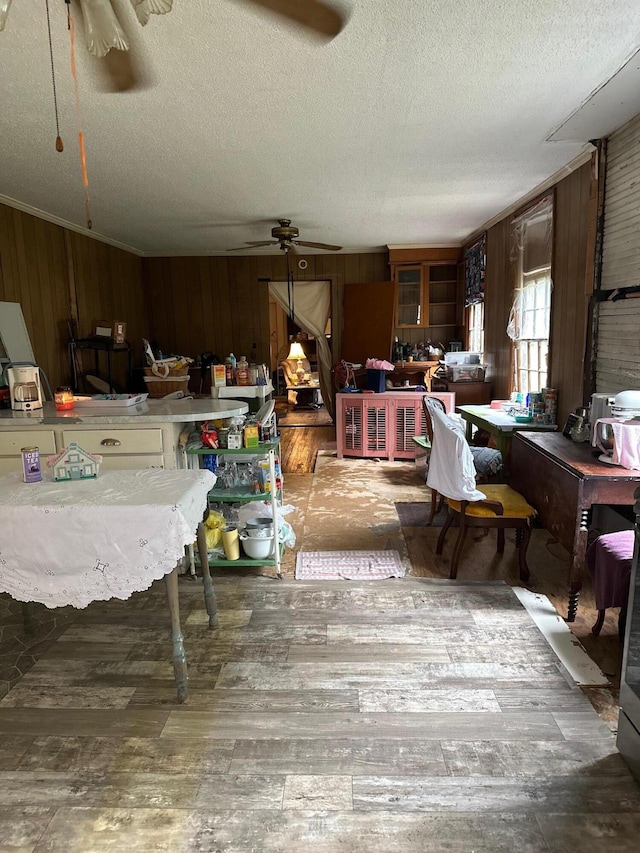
[(104, 31), (285, 236)]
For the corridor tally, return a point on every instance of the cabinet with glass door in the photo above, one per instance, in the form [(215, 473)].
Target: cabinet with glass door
[(426, 295)]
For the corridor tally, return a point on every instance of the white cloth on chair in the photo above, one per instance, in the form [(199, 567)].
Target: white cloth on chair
[(451, 470)]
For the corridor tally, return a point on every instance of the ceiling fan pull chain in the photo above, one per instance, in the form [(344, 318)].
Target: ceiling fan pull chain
[(59, 143), (83, 157), (290, 289)]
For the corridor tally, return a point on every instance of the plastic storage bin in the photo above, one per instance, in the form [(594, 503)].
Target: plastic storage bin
[(465, 372), (451, 358), (375, 380)]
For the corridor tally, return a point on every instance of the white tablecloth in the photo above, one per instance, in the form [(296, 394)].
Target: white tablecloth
[(89, 540)]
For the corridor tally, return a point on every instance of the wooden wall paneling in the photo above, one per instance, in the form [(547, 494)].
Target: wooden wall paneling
[(262, 332), (203, 278), (185, 305), (109, 286), (218, 286), (572, 245), (32, 255), (52, 269)]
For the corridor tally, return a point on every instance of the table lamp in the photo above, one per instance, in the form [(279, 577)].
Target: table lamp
[(296, 352)]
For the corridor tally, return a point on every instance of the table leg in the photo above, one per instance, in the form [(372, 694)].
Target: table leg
[(577, 562), (179, 657), (468, 431), (209, 594)]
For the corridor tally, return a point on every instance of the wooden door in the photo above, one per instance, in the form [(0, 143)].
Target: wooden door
[(368, 321)]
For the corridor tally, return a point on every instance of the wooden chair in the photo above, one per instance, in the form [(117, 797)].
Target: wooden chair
[(485, 460), (452, 474), (429, 403)]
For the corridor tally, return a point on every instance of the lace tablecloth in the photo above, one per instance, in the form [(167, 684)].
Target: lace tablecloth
[(92, 540)]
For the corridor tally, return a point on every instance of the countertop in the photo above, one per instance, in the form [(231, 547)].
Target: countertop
[(149, 412)]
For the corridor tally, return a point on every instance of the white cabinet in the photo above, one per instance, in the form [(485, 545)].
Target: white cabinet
[(12, 442), (121, 447)]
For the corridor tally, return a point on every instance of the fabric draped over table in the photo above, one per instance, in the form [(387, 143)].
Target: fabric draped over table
[(72, 543)]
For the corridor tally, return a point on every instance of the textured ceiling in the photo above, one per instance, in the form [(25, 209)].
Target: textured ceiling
[(417, 124)]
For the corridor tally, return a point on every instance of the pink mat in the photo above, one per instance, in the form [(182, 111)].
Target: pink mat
[(348, 565)]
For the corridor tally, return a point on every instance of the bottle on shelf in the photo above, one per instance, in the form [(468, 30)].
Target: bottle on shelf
[(242, 371), (230, 369)]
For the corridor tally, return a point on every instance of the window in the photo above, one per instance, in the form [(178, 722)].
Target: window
[(531, 350), (475, 327), (530, 318)]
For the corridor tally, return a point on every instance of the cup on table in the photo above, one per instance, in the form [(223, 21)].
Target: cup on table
[(231, 542)]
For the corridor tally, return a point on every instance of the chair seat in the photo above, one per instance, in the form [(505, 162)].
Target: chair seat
[(515, 506)]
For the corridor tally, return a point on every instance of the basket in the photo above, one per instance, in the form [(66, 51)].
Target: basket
[(158, 387), (163, 371)]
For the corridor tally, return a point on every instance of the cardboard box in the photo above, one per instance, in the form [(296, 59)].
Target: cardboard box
[(251, 438), (218, 376)]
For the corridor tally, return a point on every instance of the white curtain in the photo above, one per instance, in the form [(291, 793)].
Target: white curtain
[(311, 302)]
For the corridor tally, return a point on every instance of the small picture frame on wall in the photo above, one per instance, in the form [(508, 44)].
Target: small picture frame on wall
[(102, 329), (119, 332)]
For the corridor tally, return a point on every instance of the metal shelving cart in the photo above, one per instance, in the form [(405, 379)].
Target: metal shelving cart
[(270, 450)]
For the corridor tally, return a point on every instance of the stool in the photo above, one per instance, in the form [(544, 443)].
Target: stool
[(609, 561)]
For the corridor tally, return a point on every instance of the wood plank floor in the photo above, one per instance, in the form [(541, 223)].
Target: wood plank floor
[(333, 717)]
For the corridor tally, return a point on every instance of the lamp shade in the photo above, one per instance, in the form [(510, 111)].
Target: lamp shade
[(296, 350)]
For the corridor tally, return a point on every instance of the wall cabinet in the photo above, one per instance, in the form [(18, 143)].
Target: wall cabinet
[(382, 425), (426, 294)]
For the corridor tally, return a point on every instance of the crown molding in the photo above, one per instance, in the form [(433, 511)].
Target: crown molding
[(450, 245), (63, 223)]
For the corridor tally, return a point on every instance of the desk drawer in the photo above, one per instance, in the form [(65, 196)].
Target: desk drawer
[(132, 463), (12, 442), (128, 440)]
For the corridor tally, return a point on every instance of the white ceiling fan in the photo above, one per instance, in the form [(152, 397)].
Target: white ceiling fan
[(105, 32)]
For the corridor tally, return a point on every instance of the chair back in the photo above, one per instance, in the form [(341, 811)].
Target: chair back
[(428, 405), (451, 469)]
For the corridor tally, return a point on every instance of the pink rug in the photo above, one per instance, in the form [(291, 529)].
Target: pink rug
[(348, 565)]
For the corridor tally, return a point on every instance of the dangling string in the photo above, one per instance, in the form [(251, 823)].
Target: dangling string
[(290, 289), (59, 143), (83, 159)]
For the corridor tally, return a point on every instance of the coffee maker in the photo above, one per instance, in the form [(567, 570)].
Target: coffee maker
[(25, 389)]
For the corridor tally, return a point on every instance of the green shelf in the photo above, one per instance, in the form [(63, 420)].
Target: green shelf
[(235, 496), (262, 448)]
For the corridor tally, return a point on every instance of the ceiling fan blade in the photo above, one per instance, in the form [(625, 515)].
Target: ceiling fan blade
[(318, 245), (254, 246), (315, 15)]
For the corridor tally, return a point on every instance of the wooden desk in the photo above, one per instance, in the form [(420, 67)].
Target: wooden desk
[(563, 479), (413, 372)]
